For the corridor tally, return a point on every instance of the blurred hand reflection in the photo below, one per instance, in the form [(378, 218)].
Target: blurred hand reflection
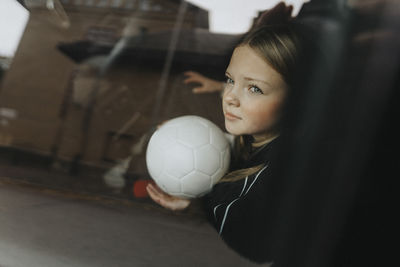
[(206, 85)]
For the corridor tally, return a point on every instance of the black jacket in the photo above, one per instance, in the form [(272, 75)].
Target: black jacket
[(239, 210)]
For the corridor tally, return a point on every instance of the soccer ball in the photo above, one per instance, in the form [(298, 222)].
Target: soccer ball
[(187, 155)]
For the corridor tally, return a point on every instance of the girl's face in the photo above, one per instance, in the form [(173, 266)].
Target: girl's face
[(253, 95)]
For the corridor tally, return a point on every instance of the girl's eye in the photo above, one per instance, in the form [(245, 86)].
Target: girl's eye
[(229, 80), (255, 89)]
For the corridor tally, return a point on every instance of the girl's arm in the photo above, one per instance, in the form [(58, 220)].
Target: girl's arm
[(207, 85)]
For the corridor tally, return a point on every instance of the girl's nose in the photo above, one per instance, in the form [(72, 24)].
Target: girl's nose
[(231, 98)]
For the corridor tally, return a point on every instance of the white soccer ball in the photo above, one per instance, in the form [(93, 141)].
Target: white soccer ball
[(187, 155)]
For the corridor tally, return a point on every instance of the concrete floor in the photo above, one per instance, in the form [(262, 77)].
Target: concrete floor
[(40, 226)]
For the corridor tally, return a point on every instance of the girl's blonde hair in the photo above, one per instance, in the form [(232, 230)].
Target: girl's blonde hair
[(278, 45)]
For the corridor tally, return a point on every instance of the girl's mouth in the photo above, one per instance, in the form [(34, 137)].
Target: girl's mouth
[(231, 117)]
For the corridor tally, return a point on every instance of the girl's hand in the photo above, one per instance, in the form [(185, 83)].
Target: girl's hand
[(165, 200), (207, 85)]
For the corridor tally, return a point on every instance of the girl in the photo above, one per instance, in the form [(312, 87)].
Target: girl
[(258, 79)]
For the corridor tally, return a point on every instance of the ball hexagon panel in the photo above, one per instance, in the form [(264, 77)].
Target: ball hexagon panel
[(225, 157), (218, 139), (217, 176), (155, 160), (169, 184), (170, 132), (193, 134), (178, 160), (207, 159), (164, 138), (196, 184)]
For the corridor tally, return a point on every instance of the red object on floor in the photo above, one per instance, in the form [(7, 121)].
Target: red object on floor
[(139, 188)]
